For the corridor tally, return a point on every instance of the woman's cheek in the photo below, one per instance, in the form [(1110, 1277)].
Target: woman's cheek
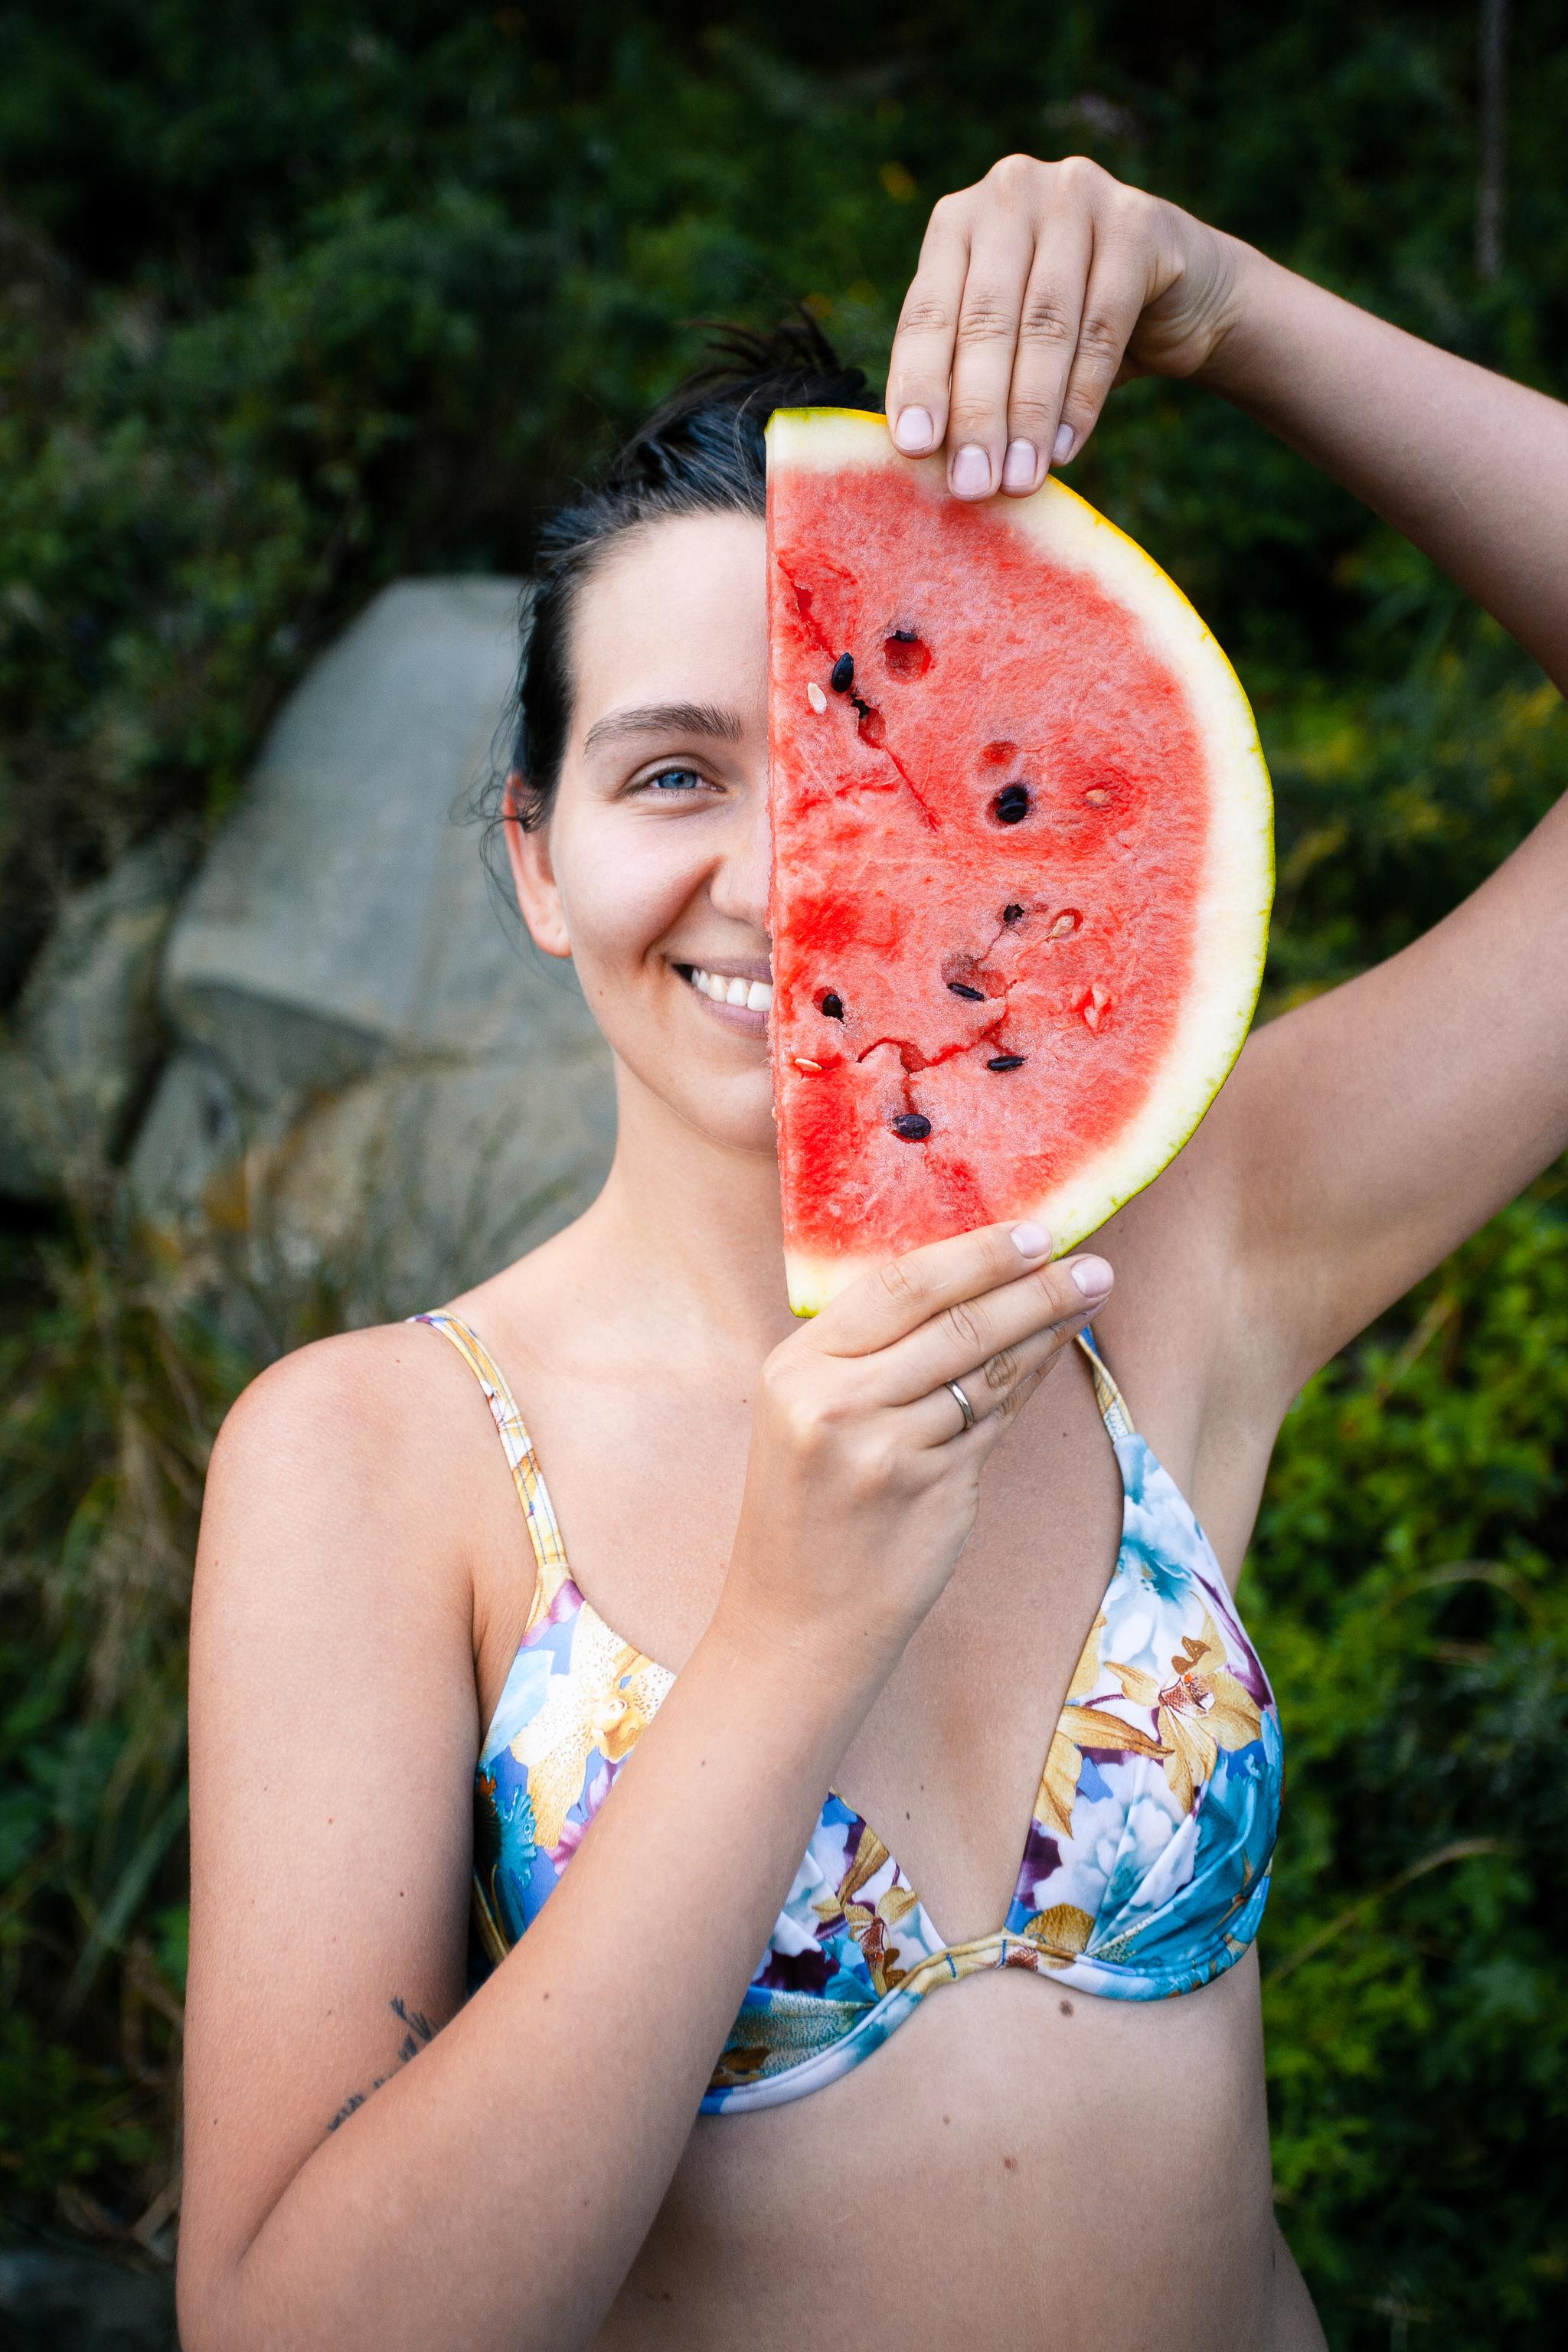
[(622, 896)]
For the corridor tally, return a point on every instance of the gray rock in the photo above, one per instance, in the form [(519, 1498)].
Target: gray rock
[(33, 1133), (334, 924), (52, 2302), (191, 1143), (87, 1036), (380, 1083), (415, 1182)]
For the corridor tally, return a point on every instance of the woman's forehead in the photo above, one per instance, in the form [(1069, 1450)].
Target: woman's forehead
[(677, 614)]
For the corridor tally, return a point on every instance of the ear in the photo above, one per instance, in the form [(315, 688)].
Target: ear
[(528, 854)]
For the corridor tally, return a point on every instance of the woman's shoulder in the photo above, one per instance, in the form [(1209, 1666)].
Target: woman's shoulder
[(359, 1394), (374, 1444)]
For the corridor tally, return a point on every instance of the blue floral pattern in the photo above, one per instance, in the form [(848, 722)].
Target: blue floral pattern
[(1145, 1870)]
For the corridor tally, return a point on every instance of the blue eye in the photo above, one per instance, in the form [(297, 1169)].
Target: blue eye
[(675, 780)]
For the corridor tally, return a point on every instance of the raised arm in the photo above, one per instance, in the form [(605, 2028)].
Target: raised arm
[(1375, 1128), (1361, 1136)]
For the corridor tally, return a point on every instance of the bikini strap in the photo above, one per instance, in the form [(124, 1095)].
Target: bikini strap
[(1106, 1395), (544, 1533), (543, 1530)]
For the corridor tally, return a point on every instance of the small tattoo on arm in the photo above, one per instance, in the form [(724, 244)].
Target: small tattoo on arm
[(418, 2032)]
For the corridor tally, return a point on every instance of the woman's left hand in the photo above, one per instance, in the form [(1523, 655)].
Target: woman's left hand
[(1038, 289)]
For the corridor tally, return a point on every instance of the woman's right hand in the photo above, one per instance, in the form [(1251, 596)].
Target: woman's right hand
[(863, 1481)]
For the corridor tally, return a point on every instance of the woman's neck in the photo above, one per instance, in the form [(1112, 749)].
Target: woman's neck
[(687, 1233)]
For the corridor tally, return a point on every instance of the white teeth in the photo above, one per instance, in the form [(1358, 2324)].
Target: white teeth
[(756, 995)]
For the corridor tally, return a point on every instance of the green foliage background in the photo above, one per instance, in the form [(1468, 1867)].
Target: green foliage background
[(296, 299)]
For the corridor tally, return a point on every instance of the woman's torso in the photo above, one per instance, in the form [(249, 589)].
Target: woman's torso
[(1013, 2139)]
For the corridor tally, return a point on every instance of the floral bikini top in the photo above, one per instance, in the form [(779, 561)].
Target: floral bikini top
[(1145, 1869)]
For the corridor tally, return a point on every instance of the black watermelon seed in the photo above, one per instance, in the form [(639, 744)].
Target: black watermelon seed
[(911, 1128), (1007, 1062), (832, 1007), (905, 637), (843, 676), (1012, 914), (1012, 806), (975, 995)]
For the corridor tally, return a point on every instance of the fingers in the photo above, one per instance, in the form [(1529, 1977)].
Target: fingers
[(897, 1297), (1028, 289), (996, 1390), (1113, 303), (1018, 325), (921, 367), (968, 1309), (987, 1343), (1049, 327)]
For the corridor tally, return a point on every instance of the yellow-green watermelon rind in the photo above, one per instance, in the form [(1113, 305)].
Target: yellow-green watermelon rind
[(1232, 930)]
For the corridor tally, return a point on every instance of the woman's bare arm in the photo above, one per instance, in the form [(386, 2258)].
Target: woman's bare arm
[(1375, 1128), (338, 2196), (1470, 466), (492, 2187), (1363, 1136)]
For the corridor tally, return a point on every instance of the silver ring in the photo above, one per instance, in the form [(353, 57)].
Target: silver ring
[(964, 1407)]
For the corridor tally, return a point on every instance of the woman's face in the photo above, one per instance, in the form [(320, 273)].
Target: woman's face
[(652, 873)]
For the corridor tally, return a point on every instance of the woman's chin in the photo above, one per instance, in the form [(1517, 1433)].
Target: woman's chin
[(732, 1109), (757, 1137), (738, 1116)]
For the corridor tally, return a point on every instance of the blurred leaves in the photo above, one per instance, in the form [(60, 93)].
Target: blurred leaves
[(1407, 1587), (59, 2119), (113, 1388)]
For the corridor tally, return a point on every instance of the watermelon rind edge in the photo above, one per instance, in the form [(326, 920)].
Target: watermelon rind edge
[(1231, 928)]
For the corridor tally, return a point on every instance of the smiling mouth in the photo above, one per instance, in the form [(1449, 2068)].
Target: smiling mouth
[(728, 988)]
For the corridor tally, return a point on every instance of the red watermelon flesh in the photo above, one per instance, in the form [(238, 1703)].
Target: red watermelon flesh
[(1022, 856)]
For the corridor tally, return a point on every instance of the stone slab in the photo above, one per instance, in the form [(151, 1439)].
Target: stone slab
[(380, 1081), (86, 1037), (342, 891), (57, 2302)]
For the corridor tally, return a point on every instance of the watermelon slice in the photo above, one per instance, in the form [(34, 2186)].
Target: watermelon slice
[(1022, 856)]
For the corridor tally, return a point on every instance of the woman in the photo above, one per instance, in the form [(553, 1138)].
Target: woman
[(874, 1614)]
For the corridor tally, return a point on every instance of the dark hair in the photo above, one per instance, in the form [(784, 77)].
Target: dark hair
[(701, 453)]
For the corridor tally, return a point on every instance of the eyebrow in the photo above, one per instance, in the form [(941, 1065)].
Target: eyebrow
[(666, 719)]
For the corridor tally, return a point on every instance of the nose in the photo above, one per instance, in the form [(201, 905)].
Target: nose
[(740, 884)]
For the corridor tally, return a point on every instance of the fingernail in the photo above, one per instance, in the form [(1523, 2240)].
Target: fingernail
[(972, 472), (1018, 467), (1031, 1241), (1092, 1276), (913, 431), (1061, 447)]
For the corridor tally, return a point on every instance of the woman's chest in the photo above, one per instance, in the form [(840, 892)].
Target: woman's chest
[(947, 1766)]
